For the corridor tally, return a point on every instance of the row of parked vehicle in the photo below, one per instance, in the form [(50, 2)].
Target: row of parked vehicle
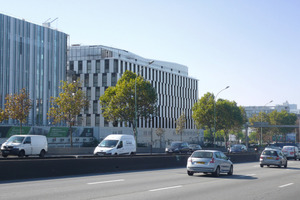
[(182, 147)]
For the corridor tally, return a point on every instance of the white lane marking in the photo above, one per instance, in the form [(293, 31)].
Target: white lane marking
[(286, 185), (111, 181), (250, 174), (166, 188)]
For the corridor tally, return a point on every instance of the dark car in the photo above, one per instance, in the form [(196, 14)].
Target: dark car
[(178, 147), (238, 148), (194, 147)]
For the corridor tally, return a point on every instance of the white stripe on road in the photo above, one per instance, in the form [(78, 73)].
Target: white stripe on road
[(250, 174), (166, 188), (112, 181), (286, 185)]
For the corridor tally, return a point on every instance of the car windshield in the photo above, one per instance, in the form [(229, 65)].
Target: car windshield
[(288, 148), (269, 153), (108, 143), (16, 139), (202, 155), (236, 147)]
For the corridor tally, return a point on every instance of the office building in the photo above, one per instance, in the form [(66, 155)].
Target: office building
[(100, 67), (32, 57)]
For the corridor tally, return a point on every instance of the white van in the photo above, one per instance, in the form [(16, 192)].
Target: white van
[(116, 145), (25, 145)]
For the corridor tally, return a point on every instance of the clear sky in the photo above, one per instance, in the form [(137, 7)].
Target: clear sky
[(253, 46)]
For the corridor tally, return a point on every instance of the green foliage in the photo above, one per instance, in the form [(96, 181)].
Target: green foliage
[(68, 105), (203, 113), (180, 124), (118, 103), (17, 107), (227, 114), (2, 115), (274, 118), (229, 117)]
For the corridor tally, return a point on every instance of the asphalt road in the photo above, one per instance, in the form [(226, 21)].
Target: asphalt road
[(249, 181)]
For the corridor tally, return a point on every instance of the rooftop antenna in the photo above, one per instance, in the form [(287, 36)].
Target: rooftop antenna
[(47, 23)]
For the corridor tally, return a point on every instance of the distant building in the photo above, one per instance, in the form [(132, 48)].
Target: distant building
[(255, 110), (32, 57), (100, 67)]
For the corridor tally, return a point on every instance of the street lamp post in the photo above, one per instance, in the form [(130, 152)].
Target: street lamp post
[(215, 115), (135, 101), (261, 122)]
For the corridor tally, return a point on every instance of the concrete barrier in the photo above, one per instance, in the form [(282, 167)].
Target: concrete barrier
[(30, 168)]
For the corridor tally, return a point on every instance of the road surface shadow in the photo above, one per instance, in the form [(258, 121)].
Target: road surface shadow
[(225, 176)]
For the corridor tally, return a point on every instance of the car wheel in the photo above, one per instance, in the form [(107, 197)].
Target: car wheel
[(21, 154), (268, 165), (217, 172), (190, 173), (4, 155), (285, 166), (42, 154), (261, 165), (230, 171), (295, 158)]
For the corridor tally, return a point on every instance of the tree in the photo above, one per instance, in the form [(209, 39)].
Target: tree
[(68, 105), (118, 103), (282, 118), (229, 117), (261, 132), (17, 107), (160, 132), (180, 124), (203, 113), (2, 115)]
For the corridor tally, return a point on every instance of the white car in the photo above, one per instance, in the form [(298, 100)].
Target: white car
[(209, 161)]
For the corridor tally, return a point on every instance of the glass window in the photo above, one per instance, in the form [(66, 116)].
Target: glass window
[(80, 67), (97, 66), (86, 80), (97, 120), (89, 66), (106, 66), (97, 92), (104, 80), (95, 107), (115, 66), (113, 79), (95, 80)]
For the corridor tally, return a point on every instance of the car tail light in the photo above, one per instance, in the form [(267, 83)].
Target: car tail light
[(190, 160), (292, 153), (212, 160), (277, 158), (261, 157)]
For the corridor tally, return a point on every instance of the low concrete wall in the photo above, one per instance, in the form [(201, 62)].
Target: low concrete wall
[(29, 168)]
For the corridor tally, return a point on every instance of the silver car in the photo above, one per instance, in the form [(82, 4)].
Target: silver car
[(209, 161), (273, 157)]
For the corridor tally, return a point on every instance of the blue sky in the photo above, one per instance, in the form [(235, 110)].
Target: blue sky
[(251, 46)]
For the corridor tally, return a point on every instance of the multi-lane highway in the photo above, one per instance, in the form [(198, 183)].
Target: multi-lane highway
[(248, 182)]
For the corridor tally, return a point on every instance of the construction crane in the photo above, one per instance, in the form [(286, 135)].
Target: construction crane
[(48, 22)]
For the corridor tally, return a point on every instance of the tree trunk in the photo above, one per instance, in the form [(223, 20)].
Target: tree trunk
[(20, 128), (71, 137)]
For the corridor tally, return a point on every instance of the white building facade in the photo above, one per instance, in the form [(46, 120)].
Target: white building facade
[(31, 57), (100, 67)]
